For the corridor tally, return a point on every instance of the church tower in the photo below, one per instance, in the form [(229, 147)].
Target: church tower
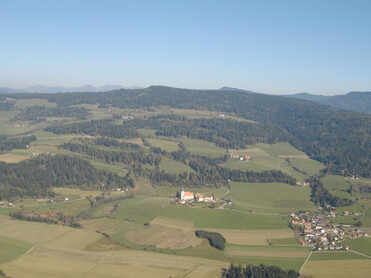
[(182, 193)]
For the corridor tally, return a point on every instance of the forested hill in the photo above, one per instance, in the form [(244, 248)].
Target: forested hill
[(353, 101), (340, 139)]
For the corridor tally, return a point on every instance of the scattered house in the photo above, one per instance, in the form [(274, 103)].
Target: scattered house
[(199, 197), (239, 157), (2, 203), (209, 199), (234, 156), (66, 199), (16, 125), (10, 204), (303, 243), (346, 213)]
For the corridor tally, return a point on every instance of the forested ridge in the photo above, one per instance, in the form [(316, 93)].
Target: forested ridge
[(32, 113), (206, 170), (339, 139), (93, 128), (35, 177)]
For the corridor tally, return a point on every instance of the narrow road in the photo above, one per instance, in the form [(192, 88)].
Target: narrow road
[(359, 253), (227, 191), (302, 267)]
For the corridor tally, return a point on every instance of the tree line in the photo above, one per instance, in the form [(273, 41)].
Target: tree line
[(35, 177), (32, 113), (321, 196), (258, 271), (95, 128), (7, 144)]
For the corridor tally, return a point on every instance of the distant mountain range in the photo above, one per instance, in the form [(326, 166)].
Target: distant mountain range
[(60, 89), (354, 101)]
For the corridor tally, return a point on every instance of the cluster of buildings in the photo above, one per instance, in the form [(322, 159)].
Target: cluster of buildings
[(318, 232), (187, 196), (357, 233), (6, 204), (239, 157), (18, 125)]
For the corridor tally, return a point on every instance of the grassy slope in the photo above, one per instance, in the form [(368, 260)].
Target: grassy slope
[(271, 197), (12, 249)]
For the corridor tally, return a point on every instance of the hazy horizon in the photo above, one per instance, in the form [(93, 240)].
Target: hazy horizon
[(319, 47)]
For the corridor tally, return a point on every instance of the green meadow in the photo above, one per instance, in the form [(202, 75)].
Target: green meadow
[(10, 249), (270, 197)]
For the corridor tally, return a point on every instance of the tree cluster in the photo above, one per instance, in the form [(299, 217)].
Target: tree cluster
[(321, 196), (258, 271), (7, 144), (215, 239)]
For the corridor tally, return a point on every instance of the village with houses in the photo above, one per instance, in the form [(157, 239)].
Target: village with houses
[(318, 231)]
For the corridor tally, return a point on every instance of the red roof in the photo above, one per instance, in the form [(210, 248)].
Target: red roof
[(186, 193)]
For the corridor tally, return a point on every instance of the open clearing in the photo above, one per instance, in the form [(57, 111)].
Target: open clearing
[(167, 145), (164, 237), (12, 158), (268, 251), (76, 192), (174, 167), (279, 149), (166, 233), (279, 156), (52, 235), (10, 249), (145, 210), (308, 166), (32, 231), (253, 237), (338, 268), (202, 147), (271, 197), (362, 245), (42, 262)]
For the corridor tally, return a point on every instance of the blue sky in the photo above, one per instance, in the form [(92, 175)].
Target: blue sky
[(321, 47)]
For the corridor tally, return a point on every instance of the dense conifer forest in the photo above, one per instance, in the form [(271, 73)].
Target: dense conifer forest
[(339, 139), (260, 271), (7, 144), (35, 177)]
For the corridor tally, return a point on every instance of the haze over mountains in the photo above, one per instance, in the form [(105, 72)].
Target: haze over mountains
[(354, 101), (61, 89)]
